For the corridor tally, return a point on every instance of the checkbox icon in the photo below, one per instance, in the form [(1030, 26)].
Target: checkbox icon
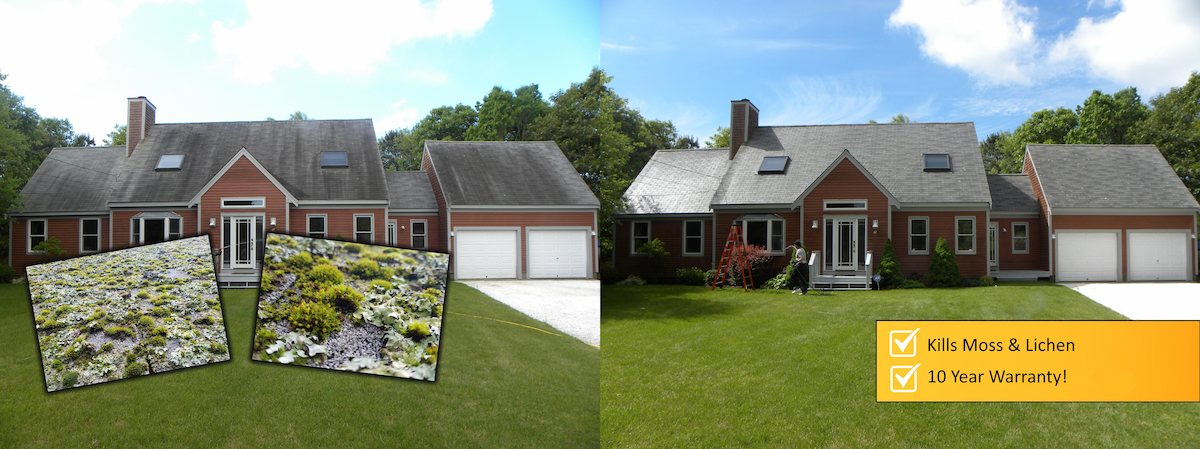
[(904, 378), (903, 343)]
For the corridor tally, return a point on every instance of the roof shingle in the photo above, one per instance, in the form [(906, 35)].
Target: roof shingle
[(1107, 176), (677, 182), (507, 174)]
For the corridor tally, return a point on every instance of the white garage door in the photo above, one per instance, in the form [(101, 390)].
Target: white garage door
[(558, 254), (490, 254), (1157, 256), (1087, 256)]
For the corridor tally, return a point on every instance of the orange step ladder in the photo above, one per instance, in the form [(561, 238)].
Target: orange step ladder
[(735, 254)]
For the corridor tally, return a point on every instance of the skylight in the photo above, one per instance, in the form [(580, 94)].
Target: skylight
[(169, 162), (937, 162), (774, 165), (333, 159)]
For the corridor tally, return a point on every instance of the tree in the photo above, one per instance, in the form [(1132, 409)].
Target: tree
[(889, 267), (401, 150), (992, 149), (83, 140), (718, 140), (447, 123), (1107, 119), (686, 143), (1045, 126), (1173, 125), (298, 116), (943, 268), (901, 118), (503, 115), (117, 136)]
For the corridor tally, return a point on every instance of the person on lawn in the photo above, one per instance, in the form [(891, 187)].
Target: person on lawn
[(799, 279)]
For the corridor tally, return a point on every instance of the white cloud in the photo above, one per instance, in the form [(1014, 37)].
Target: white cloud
[(992, 40), (336, 37), (1149, 44), (608, 46), (399, 117), (192, 37), (827, 100)]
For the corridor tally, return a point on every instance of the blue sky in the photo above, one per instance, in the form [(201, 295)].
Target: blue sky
[(992, 62)]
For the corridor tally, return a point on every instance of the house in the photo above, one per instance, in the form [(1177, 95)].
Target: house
[(844, 190), (320, 178)]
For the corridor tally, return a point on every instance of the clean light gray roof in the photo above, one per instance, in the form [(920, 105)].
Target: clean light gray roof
[(1012, 193), (409, 190), (1107, 176), (74, 180), (289, 149), (507, 174), (892, 153), (677, 182)]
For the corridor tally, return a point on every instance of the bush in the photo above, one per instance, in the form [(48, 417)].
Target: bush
[(70, 379), (987, 281), (367, 269), (710, 276), (316, 318), (759, 263), (341, 296), (919, 277), (970, 283), (943, 268), (302, 261), (609, 274), (889, 267), (416, 330), (7, 274), (325, 274), (778, 282), (633, 279), (689, 276), (50, 248), (655, 258), (911, 283)]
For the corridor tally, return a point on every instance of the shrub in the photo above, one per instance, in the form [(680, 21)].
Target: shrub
[(217, 348), (352, 248), (911, 283), (50, 248), (970, 282), (367, 269), (987, 281), (134, 369), (655, 259), (710, 276), (325, 274), (943, 268), (381, 284), (341, 296), (778, 282), (118, 332), (633, 279), (7, 274), (302, 261), (146, 322), (889, 267), (759, 263), (416, 330), (158, 341), (316, 318), (689, 276), (70, 379), (609, 274)]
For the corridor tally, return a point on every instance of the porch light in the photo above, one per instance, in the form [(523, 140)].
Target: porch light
[(212, 222), (814, 226), (272, 222), (1053, 236), (874, 224)]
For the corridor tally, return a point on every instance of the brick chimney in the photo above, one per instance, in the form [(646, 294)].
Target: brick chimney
[(141, 118), (743, 119)]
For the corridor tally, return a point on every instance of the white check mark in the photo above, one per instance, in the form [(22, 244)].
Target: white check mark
[(904, 344), (904, 380)]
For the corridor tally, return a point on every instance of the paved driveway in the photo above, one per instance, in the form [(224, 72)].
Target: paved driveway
[(571, 306), (1146, 301)]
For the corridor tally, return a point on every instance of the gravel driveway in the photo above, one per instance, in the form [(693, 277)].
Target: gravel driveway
[(571, 306), (1146, 301)]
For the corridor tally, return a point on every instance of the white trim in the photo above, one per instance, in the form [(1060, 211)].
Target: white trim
[(29, 234), (143, 205), (825, 205), (501, 208), (412, 235), (1013, 236), (262, 199), (391, 230), (1056, 238), (141, 224), (255, 219), (783, 238), (99, 245), (412, 211), (845, 155), (974, 236), (308, 225), (355, 231), (945, 207), (246, 153), (1123, 211), (633, 236), (333, 204), (911, 252), (993, 241), (685, 236), (1003, 214), (93, 213)]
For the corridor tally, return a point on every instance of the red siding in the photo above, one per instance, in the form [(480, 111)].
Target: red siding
[(1125, 223), (66, 230), (1043, 226), (1036, 258), (671, 233), (941, 225), (404, 236), (340, 222), (427, 166), (122, 230), (791, 232), (846, 182), (523, 220)]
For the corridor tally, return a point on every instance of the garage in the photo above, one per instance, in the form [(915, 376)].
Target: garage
[(1087, 256), (558, 253), (1157, 256), (485, 254)]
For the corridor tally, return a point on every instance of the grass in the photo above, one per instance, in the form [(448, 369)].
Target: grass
[(498, 385), (686, 367)]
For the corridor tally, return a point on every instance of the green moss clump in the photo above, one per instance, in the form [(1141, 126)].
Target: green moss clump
[(205, 321), (435, 293), (353, 248), (97, 316), (158, 331), (381, 284), (326, 274), (80, 350), (62, 310), (316, 318), (118, 332), (431, 355), (274, 241), (302, 261), (217, 348), (158, 341), (57, 365), (264, 338), (158, 311), (70, 379), (146, 322), (142, 294), (160, 301), (368, 269), (417, 330), (39, 320), (106, 347), (135, 369), (343, 297)]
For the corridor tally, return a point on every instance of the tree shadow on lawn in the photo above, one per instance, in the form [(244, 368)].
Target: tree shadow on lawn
[(661, 302)]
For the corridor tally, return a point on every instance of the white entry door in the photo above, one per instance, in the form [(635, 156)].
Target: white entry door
[(845, 234), (244, 242), (993, 245)]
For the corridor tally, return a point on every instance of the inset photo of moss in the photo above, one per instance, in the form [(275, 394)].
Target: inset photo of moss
[(127, 313), (350, 307)]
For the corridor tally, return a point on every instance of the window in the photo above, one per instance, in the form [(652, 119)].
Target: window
[(363, 229), (937, 162), (316, 226), (918, 235), (243, 202), (333, 159), (36, 234), (169, 162), (845, 204), (1020, 238), (964, 230), (774, 165), (765, 233), (640, 236), (151, 229), (89, 235), (693, 237), (419, 234), (242, 242)]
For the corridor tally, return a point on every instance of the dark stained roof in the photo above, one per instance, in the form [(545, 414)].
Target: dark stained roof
[(290, 150), (507, 174), (1107, 176), (892, 153), (1012, 193), (677, 182), (409, 190), (74, 180)]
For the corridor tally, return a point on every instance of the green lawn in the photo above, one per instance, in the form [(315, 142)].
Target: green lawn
[(498, 385), (686, 367)]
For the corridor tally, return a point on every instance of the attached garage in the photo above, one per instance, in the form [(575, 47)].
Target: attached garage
[(486, 254), (1158, 256), (558, 253), (1088, 256)]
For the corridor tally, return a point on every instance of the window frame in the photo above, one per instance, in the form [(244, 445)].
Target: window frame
[(369, 233), (911, 250), (83, 237), (45, 235), (345, 159), (949, 162), (973, 235), (854, 205), (687, 238), (633, 236), (324, 225), (763, 170), (770, 234), (413, 234), (257, 240), (1025, 239), (159, 166), (391, 232), (261, 200), (137, 233)]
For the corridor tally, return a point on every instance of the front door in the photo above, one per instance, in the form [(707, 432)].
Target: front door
[(244, 242), (993, 254), (846, 235)]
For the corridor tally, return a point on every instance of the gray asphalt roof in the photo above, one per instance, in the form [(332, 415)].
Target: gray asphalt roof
[(677, 182), (409, 190), (74, 180), (1012, 193), (893, 153), (508, 174), (289, 149), (1116, 176)]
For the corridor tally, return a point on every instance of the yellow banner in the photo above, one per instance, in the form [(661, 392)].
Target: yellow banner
[(1037, 361)]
